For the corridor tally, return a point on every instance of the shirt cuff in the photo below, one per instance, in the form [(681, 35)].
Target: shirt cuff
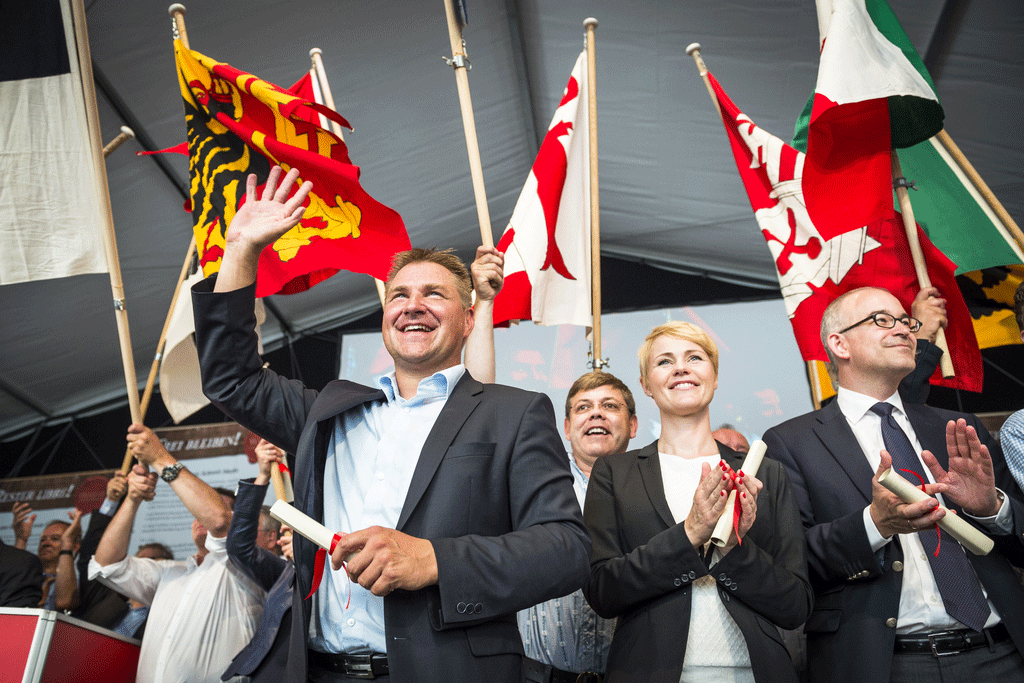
[(875, 538), (97, 570), (108, 508), (1002, 520)]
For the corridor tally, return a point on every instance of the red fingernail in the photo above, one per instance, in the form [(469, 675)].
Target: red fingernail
[(723, 493), (744, 495)]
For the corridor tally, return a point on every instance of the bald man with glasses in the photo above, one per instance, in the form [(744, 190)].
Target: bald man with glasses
[(894, 601)]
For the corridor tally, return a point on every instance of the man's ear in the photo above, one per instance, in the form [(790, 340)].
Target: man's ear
[(470, 322), (634, 424), (566, 427), (837, 343)]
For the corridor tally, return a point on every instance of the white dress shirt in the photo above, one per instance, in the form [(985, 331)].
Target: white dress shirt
[(921, 608), (200, 616), (370, 462)]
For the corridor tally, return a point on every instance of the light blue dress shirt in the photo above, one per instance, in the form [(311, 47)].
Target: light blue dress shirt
[(565, 632), (370, 462), (1011, 438)]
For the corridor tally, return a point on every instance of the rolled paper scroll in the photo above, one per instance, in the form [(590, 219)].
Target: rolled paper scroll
[(751, 463), (960, 529), (302, 523)]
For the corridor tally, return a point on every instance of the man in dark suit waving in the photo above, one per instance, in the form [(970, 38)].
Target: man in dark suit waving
[(894, 600), (453, 499)]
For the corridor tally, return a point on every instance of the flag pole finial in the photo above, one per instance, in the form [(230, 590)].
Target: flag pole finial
[(177, 14), (590, 22), (315, 51)]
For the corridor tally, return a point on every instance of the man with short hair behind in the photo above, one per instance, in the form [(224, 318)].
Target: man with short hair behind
[(1011, 435), (202, 610), (564, 639), (452, 499), (58, 545), (894, 600)]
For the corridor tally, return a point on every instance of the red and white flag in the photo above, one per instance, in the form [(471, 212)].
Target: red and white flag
[(815, 268), (547, 241)]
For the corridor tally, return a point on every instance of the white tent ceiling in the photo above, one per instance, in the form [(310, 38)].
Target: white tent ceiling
[(670, 194)]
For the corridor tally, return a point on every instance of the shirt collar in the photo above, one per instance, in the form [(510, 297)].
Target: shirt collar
[(440, 384), (855, 405)]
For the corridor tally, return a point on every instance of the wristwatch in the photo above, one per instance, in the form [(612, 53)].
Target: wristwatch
[(170, 473)]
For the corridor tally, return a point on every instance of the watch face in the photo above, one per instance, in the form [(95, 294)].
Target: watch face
[(170, 473)]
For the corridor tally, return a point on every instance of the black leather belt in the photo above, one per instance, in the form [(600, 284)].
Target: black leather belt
[(355, 666), (537, 672), (943, 643)]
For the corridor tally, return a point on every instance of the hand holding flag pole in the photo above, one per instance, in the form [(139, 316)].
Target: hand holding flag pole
[(917, 254)]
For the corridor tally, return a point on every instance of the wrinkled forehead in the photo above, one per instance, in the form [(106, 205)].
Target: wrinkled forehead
[(597, 395), (421, 273)]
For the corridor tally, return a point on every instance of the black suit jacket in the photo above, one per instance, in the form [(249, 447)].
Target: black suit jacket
[(98, 604), (643, 565), (491, 490), (21, 577), (858, 591)]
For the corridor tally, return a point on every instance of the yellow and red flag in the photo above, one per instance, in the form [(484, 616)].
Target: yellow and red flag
[(239, 124)]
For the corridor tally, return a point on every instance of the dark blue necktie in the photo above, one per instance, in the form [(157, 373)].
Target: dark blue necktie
[(958, 585)]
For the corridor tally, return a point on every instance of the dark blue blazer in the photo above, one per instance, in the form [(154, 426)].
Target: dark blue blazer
[(266, 656), (856, 590)]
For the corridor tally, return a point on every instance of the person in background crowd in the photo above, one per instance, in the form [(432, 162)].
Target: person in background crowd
[(202, 610), (133, 623), (894, 600), (1011, 435), (690, 611), (266, 656), (564, 639), (728, 436), (453, 497), (58, 545), (21, 577)]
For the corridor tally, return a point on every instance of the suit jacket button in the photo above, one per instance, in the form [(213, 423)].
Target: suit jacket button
[(479, 608), (693, 575), (897, 566), (461, 608), (891, 622), (721, 577), (678, 582)]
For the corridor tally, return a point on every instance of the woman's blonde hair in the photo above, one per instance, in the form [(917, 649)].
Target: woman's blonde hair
[(677, 330)]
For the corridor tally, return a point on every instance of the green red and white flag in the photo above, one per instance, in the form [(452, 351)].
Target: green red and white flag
[(873, 94), (814, 268), (547, 241)]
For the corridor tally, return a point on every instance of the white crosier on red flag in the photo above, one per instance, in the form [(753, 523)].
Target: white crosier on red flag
[(547, 241), (814, 268)]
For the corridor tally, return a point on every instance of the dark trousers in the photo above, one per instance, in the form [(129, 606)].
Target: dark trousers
[(1000, 662)]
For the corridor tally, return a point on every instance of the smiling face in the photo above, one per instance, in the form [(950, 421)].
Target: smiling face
[(867, 353), (680, 377), (599, 424), (425, 324), (49, 542)]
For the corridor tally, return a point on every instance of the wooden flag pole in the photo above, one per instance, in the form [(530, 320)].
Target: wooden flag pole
[(110, 241), (693, 49), (121, 138), (595, 198), (461, 63), (177, 12), (981, 186), (278, 479), (325, 88), (154, 367), (923, 280)]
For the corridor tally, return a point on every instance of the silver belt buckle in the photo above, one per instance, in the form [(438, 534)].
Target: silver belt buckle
[(359, 669), (936, 653)]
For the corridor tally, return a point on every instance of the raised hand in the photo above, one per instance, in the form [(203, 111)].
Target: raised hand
[(72, 533), (488, 273), (23, 521), (285, 541), (141, 484), (117, 487), (970, 481), (267, 456), (146, 446), (260, 222), (930, 308), (708, 503)]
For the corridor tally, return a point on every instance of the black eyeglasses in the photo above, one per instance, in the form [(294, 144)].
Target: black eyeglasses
[(886, 321)]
